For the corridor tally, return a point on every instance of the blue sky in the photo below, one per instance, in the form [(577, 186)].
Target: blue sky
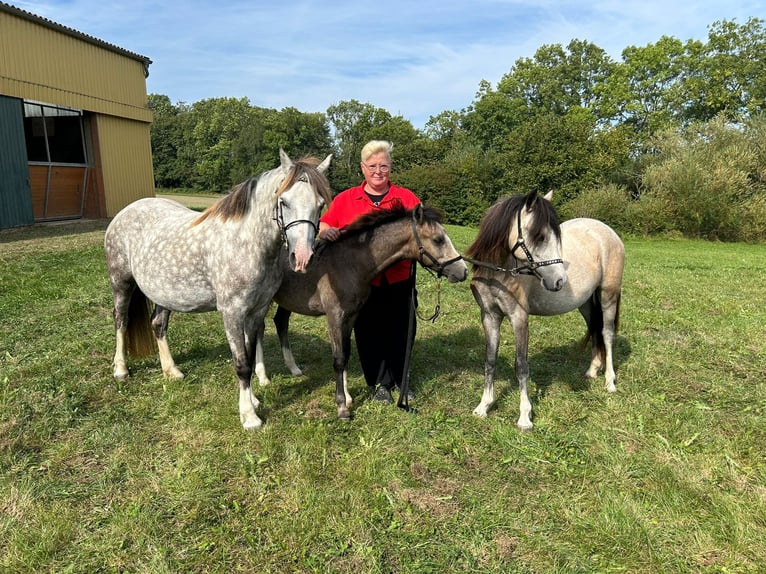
[(414, 58)]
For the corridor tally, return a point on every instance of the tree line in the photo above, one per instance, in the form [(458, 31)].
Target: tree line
[(670, 139)]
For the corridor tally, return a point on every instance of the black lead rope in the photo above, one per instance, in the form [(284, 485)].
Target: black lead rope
[(404, 402)]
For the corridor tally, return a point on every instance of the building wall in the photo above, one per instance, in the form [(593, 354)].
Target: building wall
[(41, 63), (15, 196), (126, 161), (46, 62)]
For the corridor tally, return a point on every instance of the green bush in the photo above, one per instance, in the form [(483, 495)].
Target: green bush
[(609, 203)]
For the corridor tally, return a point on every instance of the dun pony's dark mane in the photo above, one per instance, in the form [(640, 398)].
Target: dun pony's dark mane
[(377, 218), (236, 203), (491, 244), (380, 217)]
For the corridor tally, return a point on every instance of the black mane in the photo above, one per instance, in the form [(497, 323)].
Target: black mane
[(377, 218)]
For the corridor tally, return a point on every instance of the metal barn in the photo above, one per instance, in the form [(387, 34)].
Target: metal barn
[(74, 123)]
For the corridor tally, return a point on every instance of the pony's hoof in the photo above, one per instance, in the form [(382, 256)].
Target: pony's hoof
[(121, 374), (251, 422), (482, 409), (611, 388), (174, 374), (296, 372), (344, 414), (525, 427)]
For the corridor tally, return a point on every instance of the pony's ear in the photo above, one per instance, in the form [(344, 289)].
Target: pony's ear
[(549, 195), (322, 167), (417, 213), (285, 160), (531, 199)]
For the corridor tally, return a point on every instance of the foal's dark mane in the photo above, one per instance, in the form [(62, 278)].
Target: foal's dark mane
[(379, 217), (491, 244), (376, 218), (235, 204)]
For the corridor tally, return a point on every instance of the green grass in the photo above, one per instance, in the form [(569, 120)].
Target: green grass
[(150, 475)]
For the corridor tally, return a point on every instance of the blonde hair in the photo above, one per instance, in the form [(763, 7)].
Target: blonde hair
[(377, 146)]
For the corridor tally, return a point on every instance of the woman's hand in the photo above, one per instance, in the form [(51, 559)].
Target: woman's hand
[(330, 234)]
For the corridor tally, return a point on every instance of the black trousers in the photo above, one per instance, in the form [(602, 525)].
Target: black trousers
[(381, 333)]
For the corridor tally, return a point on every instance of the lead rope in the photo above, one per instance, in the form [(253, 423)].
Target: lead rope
[(404, 402)]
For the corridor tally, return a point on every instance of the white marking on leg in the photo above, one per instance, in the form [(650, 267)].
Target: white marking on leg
[(349, 400), (169, 368), (260, 367), (291, 364), (487, 400), (609, 369), (247, 405), (120, 366), (525, 407)]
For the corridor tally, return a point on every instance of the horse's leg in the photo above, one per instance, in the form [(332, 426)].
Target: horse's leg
[(119, 363), (520, 322), (339, 327), (491, 322), (160, 318), (122, 292), (260, 366), (241, 334), (591, 312), (611, 310), (282, 322)]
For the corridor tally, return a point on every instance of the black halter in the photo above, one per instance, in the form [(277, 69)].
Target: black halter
[(530, 268), (283, 227), (434, 264)]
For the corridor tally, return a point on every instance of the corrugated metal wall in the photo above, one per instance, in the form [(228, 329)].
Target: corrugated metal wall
[(15, 195), (126, 161), (43, 64)]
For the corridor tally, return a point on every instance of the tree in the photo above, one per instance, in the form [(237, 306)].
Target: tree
[(256, 148), (558, 79), (727, 75), (166, 139), (646, 89), (216, 123)]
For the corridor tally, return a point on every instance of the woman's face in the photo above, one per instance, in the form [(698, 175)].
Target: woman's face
[(376, 170)]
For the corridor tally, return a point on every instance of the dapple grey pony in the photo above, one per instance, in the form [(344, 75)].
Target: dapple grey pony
[(225, 259)]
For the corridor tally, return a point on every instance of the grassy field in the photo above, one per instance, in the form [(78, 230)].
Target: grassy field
[(667, 475)]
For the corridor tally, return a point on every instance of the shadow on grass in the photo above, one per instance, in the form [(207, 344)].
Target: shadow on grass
[(438, 359), (441, 357), (52, 230)]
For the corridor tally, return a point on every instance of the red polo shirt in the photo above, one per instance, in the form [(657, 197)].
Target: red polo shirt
[(348, 205)]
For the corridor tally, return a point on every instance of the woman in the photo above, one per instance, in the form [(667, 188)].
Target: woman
[(382, 326)]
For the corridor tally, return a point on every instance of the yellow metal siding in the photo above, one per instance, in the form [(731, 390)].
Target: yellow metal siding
[(43, 64), (126, 161)]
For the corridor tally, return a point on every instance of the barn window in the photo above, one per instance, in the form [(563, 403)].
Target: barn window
[(53, 134)]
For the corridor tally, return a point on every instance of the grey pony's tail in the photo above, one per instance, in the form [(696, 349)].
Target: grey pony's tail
[(139, 335)]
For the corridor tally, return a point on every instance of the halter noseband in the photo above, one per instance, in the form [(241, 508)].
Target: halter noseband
[(283, 227), (531, 266), (423, 253)]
